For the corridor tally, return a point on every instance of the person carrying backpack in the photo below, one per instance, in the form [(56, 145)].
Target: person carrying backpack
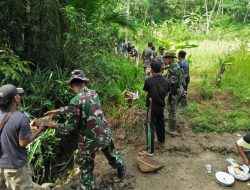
[(175, 80), (148, 57)]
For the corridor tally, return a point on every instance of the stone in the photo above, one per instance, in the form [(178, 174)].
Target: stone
[(121, 137), (121, 185), (37, 186), (48, 185)]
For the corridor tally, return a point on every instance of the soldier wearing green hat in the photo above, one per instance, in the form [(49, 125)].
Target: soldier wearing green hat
[(147, 57), (175, 80), (160, 55), (84, 115)]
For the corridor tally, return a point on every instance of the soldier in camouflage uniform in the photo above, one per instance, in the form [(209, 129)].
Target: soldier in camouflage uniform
[(135, 54), (84, 115), (154, 52), (160, 55), (175, 80), (148, 56)]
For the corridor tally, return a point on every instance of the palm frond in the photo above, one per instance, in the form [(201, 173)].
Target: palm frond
[(118, 18), (90, 7)]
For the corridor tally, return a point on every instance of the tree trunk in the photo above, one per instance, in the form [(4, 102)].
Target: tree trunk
[(185, 6), (245, 17), (128, 14), (219, 76), (145, 17), (27, 32), (222, 9), (219, 9), (209, 17)]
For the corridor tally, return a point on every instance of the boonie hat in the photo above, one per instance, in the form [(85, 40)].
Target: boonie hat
[(78, 74), (161, 48), (169, 55)]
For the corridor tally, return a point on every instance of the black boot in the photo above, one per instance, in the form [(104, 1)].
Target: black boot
[(122, 170)]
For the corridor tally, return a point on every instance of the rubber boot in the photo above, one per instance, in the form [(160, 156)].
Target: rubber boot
[(172, 125), (173, 129), (183, 101)]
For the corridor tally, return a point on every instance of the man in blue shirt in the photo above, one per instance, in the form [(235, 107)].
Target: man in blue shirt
[(185, 73), (15, 135), (124, 48)]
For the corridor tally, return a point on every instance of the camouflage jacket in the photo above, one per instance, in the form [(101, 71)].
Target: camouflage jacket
[(147, 53), (84, 114), (175, 75)]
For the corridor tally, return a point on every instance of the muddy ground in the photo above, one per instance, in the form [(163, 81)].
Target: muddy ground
[(184, 157), (184, 161)]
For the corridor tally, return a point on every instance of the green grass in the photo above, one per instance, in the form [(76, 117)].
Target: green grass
[(224, 108), (217, 120)]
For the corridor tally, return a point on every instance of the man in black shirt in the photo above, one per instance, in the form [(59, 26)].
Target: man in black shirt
[(157, 87)]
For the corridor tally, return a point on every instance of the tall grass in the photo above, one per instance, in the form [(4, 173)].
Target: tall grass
[(223, 108), (237, 77)]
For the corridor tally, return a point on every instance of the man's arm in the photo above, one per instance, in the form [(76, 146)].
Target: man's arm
[(53, 113), (243, 154), (180, 77), (142, 55), (243, 143), (73, 120), (61, 111), (25, 142), (25, 135), (146, 87)]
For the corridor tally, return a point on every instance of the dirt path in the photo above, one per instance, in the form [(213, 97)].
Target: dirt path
[(185, 159)]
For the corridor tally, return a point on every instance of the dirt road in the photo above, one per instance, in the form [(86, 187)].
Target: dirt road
[(185, 159)]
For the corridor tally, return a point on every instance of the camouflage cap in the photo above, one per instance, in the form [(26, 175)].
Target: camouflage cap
[(78, 74), (169, 55), (161, 48)]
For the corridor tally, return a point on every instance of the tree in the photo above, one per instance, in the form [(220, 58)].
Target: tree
[(209, 14)]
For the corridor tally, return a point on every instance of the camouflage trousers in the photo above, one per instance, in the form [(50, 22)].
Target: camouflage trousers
[(173, 101), (86, 161)]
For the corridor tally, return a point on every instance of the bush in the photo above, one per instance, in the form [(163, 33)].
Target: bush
[(12, 67)]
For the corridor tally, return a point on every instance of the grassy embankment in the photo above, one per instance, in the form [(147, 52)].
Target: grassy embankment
[(223, 108)]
